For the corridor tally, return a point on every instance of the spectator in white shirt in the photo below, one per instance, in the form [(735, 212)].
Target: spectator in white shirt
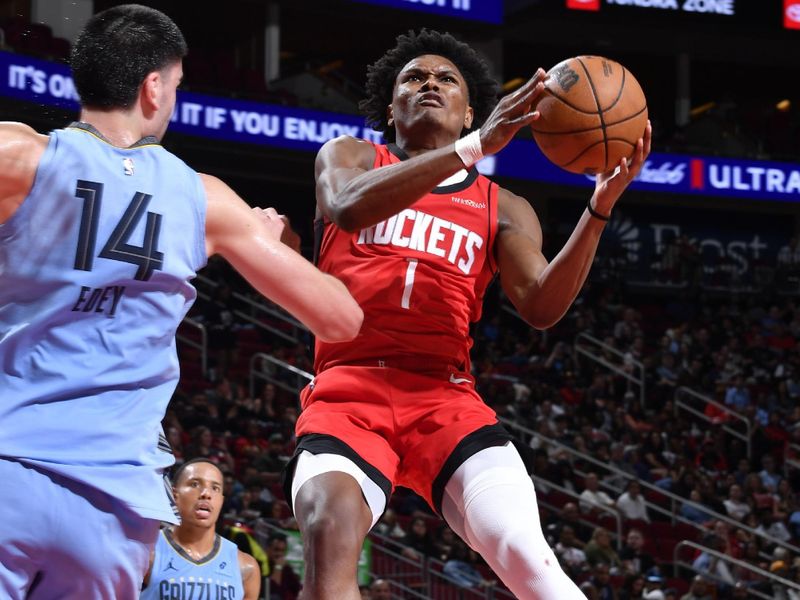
[(734, 505), (592, 497), (631, 503)]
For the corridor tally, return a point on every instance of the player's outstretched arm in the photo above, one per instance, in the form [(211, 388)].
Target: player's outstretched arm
[(20, 150), (248, 240), (542, 292), (251, 576)]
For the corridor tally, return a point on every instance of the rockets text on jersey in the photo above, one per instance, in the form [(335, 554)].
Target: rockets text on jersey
[(419, 275), (422, 232)]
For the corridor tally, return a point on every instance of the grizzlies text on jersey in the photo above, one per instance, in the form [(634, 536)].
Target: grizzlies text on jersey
[(176, 576)]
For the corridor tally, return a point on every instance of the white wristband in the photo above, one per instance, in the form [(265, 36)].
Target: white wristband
[(469, 148)]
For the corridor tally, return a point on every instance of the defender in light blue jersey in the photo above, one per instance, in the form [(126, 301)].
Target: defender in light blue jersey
[(192, 562), (101, 232)]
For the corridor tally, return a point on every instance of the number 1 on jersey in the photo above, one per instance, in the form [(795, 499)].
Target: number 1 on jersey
[(412, 267)]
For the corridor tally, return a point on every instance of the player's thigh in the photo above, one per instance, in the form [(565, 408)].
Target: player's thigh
[(59, 539), (446, 425), (348, 411), (313, 474), (104, 552)]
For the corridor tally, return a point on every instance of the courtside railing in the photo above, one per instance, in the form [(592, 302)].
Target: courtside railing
[(605, 355), (268, 368), (683, 401), (541, 499), (257, 312), (675, 501), (775, 580)]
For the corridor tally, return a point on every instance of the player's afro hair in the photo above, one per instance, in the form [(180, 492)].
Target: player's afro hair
[(382, 74)]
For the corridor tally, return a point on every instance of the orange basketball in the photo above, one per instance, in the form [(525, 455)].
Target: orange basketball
[(592, 113)]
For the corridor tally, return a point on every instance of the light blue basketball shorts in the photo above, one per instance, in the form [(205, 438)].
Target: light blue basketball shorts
[(63, 539)]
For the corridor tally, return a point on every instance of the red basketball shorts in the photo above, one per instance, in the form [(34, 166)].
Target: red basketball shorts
[(401, 427)]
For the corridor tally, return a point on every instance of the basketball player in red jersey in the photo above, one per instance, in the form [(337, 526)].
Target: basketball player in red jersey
[(417, 234)]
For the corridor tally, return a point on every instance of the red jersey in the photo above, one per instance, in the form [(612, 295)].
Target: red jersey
[(419, 276)]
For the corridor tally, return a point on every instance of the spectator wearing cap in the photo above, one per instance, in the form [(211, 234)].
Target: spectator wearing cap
[(653, 584), (699, 590), (631, 504)]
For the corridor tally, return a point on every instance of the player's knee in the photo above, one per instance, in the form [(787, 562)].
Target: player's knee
[(331, 522), (332, 534)]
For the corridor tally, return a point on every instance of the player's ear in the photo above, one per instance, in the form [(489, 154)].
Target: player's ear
[(469, 117), (150, 90), (389, 116)]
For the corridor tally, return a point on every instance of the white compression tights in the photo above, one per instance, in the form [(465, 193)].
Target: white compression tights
[(490, 503)]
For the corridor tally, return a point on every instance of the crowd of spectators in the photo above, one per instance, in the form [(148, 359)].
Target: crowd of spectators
[(739, 351)]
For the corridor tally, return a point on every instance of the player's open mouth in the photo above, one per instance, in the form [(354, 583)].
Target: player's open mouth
[(430, 99), (202, 511)]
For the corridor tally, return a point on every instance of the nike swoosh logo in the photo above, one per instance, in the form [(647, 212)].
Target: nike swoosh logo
[(454, 379)]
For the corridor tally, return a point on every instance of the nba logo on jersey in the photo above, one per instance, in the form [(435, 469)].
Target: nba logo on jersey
[(584, 4), (127, 164)]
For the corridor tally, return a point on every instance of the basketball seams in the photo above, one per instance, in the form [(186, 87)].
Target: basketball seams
[(599, 112), (563, 100), (588, 129), (581, 153), (590, 146), (621, 88)]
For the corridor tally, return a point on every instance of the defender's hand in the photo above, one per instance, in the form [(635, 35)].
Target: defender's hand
[(279, 226)]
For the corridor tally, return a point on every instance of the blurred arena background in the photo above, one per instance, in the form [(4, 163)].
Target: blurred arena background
[(666, 403)]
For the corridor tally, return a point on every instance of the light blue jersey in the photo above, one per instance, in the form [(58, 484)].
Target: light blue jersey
[(176, 576), (95, 268)]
